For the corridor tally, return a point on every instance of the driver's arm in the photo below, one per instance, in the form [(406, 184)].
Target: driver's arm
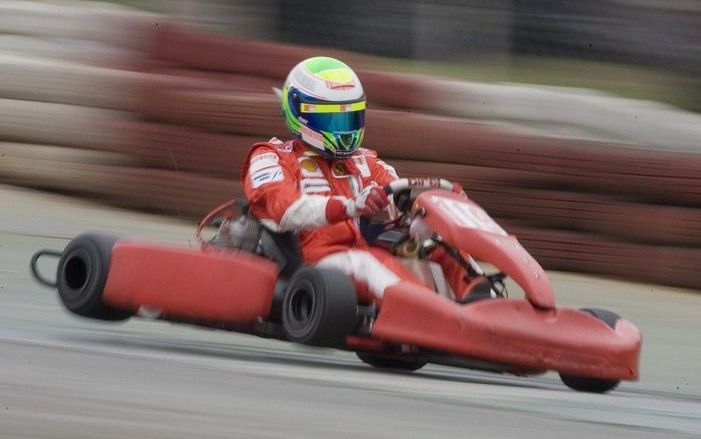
[(272, 190), (381, 172)]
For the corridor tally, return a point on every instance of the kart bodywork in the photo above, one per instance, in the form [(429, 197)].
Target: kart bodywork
[(270, 293)]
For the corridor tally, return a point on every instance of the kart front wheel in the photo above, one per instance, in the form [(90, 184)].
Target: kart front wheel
[(587, 384), (320, 307), (385, 361)]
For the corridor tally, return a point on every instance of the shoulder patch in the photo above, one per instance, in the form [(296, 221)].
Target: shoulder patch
[(262, 161), (265, 176), (282, 146)]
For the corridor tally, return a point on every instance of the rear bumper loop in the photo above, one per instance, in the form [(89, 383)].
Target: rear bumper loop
[(35, 270)]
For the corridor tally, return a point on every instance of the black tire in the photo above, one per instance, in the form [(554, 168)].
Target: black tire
[(320, 307), (386, 361), (81, 276), (587, 384), (608, 317)]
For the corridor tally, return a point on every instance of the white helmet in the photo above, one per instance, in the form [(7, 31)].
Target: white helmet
[(324, 104)]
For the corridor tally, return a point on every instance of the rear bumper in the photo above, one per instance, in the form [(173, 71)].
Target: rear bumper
[(511, 332)]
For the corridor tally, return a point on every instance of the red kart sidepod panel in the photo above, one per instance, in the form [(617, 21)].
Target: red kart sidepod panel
[(212, 286)]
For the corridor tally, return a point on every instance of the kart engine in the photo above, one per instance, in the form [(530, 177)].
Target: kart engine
[(241, 233)]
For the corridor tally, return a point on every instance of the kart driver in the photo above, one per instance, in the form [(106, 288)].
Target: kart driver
[(321, 182)]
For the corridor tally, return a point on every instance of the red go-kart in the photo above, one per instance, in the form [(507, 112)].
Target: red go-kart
[(249, 279)]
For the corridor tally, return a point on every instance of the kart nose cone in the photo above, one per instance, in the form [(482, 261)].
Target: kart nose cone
[(511, 332)]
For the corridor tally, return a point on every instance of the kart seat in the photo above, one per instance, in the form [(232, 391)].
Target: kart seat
[(284, 249)]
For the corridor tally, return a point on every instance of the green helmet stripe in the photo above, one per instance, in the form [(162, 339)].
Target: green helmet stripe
[(329, 141), (361, 133), (292, 123), (319, 64)]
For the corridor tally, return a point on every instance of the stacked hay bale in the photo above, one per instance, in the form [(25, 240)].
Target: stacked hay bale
[(161, 115), (72, 82)]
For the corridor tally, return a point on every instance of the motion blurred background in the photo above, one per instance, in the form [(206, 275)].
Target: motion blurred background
[(574, 123)]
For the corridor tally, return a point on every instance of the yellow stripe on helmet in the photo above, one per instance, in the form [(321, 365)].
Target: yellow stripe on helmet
[(332, 108)]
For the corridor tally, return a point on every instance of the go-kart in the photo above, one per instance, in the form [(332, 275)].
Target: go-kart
[(249, 279)]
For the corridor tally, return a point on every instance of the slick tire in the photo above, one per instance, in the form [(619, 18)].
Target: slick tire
[(81, 276), (320, 307), (587, 384)]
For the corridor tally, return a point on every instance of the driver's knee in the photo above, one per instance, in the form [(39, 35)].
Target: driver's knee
[(367, 271)]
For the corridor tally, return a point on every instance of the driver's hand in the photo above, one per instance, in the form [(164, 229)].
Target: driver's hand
[(367, 203)]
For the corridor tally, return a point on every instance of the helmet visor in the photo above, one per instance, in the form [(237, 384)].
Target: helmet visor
[(334, 118)]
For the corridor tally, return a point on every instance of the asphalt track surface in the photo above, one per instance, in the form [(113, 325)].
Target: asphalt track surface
[(67, 377)]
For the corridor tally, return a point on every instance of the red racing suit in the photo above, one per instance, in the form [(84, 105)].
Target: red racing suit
[(292, 188)]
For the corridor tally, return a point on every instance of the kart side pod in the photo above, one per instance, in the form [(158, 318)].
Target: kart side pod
[(101, 276)]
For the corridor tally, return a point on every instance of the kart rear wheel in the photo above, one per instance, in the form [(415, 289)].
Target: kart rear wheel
[(320, 307), (384, 361), (81, 276), (587, 384)]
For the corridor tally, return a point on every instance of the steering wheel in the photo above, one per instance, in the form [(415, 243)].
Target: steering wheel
[(423, 183), (401, 189)]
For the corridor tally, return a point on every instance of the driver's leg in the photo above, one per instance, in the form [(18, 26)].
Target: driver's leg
[(466, 288), (373, 271)]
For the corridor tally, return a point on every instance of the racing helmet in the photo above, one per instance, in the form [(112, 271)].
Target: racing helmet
[(323, 103)]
